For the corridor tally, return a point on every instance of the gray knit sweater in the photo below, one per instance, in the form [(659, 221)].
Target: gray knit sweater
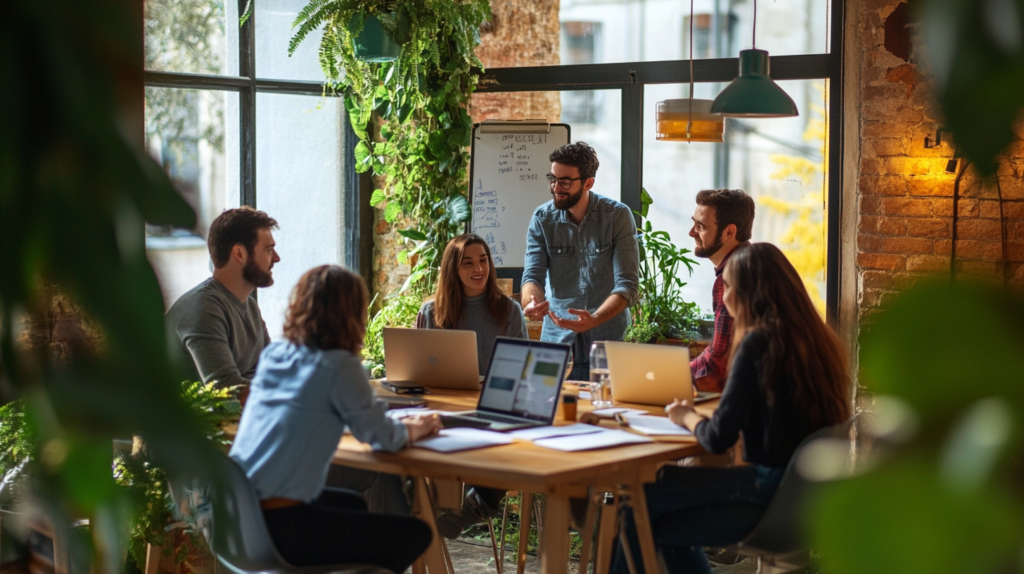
[(476, 317)]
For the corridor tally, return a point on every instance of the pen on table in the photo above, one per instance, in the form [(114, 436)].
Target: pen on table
[(621, 420)]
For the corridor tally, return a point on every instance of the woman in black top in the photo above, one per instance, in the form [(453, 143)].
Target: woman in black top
[(787, 379)]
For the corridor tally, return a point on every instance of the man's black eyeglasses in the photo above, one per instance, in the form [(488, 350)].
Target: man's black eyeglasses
[(563, 183)]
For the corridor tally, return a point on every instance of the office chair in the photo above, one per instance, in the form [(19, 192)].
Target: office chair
[(779, 534), (240, 538)]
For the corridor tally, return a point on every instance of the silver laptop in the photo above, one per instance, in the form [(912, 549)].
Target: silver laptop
[(439, 358), (521, 388), (649, 374)]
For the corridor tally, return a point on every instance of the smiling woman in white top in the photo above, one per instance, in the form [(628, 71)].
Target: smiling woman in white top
[(306, 390)]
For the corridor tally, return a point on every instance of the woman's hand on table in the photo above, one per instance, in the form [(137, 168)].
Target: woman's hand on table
[(422, 426), (682, 413)]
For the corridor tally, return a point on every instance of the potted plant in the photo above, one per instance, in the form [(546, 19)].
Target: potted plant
[(660, 314)]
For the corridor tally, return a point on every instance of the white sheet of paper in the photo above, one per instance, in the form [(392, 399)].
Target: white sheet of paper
[(454, 440), (402, 413), (655, 426), (585, 395), (612, 411), (603, 439), (537, 433)]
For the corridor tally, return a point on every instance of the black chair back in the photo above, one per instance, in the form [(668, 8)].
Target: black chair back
[(780, 530), (239, 533)]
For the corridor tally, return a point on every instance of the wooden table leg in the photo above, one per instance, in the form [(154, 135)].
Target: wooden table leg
[(587, 535), (607, 530), (424, 510), (525, 507), (643, 527), (554, 557)]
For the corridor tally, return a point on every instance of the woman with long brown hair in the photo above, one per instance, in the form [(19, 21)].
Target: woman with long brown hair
[(306, 390), (788, 378), (468, 298)]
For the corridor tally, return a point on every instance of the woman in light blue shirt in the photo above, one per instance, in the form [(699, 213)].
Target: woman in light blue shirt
[(306, 391)]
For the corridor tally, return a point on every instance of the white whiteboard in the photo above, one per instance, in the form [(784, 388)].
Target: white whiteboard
[(507, 184)]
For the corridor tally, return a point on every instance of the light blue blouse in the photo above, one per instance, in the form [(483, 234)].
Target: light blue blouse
[(300, 402)]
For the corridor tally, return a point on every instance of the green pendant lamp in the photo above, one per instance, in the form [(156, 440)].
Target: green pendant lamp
[(754, 94)]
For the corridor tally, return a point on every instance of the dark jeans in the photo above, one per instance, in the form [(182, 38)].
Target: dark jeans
[(336, 528), (691, 508)]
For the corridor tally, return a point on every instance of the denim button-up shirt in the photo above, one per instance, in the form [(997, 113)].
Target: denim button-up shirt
[(582, 265)]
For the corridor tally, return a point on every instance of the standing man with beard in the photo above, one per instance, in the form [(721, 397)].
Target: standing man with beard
[(722, 222), (581, 272), (217, 327)]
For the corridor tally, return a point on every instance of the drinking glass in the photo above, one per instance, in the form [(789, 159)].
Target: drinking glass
[(600, 383)]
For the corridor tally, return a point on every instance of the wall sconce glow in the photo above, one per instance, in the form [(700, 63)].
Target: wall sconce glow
[(754, 94), (674, 117)]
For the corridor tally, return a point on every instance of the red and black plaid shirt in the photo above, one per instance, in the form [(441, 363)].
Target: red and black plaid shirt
[(713, 363)]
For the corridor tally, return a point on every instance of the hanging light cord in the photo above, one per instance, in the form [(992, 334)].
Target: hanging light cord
[(753, 39), (689, 114)]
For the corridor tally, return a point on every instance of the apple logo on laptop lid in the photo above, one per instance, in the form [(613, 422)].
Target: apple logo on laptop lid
[(650, 375)]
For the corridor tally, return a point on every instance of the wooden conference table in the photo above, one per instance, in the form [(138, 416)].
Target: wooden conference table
[(522, 466)]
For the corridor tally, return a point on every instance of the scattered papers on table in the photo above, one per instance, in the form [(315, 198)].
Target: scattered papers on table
[(538, 433), (454, 440), (590, 441), (413, 411), (655, 426), (611, 412)]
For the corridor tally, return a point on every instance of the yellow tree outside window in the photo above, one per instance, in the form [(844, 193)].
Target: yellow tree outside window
[(803, 241)]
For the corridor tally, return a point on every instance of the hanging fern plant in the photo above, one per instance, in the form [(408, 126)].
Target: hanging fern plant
[(421, 103)]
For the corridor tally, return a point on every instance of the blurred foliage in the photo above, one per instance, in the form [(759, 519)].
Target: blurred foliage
[(18, 449), (419, 103), (975, 52), (397, 311), (153, 512), (943, 489), (514, 530), (75, 191), (803, 241), (185, 36), (660, 311)]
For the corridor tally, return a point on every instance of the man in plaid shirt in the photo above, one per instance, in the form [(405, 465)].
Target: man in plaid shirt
[(721, 223)]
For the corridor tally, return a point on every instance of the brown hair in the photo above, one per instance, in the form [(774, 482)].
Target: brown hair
[(448, 298), (236, 227), (327, 309), (579, 155), (772, 300), (732, 206)]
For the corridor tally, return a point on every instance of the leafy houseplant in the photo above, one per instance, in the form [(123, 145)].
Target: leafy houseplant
[(410, 114), (398, 311), (660, 311)]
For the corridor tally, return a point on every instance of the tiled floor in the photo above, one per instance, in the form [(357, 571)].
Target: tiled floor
[(472, 557)]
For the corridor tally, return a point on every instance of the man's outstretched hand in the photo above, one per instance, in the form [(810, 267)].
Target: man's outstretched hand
[(535, 311)]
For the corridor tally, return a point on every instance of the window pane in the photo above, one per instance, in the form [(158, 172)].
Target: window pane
[(780, 162), (189, 36), (273, 32), (185, 132), (300, 175), (600, 31)]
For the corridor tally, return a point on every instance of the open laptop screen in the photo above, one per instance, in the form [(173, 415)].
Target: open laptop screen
[(524, 378)]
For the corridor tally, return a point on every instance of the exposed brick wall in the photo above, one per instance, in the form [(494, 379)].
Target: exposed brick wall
[(522, 33), (905, 224), (58, 327)]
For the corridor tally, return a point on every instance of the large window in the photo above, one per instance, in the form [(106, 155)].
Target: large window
[(620, 57), (234, 120)]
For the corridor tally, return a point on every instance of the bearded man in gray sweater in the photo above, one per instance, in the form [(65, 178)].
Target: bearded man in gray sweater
[(216, 328)]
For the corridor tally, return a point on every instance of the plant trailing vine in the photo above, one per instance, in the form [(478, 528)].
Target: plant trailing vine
[(410, 115)]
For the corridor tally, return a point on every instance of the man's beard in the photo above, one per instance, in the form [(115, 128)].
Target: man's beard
[(706, 251), (253, 274), (569, 202)]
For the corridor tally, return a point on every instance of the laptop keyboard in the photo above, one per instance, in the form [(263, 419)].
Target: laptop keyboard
[(476, 420)]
